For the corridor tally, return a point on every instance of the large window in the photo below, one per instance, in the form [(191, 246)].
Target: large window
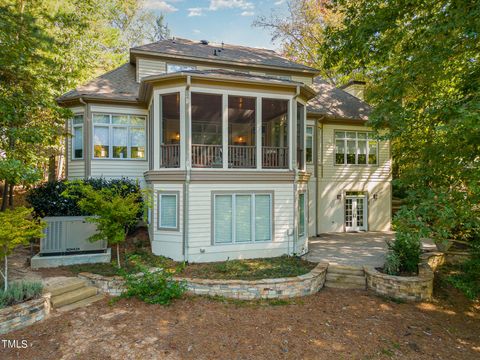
[(77, 140), (168, 211), (355, 148), (309, 145), (119, 136), (172, 68), (242, 218)]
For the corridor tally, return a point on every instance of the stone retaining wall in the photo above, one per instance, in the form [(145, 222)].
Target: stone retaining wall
[(410, 288), (21, 315), (280, 288)]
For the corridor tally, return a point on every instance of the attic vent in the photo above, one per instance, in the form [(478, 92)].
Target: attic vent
[(204, 42)]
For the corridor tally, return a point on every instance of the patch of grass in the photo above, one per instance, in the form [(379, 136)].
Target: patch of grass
[(20, 291), (465, 277), (250, 269)]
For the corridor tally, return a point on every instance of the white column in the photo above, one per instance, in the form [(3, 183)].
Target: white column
[(187, 129), (183, 124), (258, 131), (156, 125), (292, 123), (225, 130)]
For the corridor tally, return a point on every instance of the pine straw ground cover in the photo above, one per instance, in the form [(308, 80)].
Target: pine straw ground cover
[(333, 324)]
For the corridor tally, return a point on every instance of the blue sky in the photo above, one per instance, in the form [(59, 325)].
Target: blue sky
[(229, 21)]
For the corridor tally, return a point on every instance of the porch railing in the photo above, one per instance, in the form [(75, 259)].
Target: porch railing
[(170, 155), (274, 157), (207, 156), (241, 156)]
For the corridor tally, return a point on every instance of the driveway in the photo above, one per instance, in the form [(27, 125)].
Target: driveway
[(351, 249)]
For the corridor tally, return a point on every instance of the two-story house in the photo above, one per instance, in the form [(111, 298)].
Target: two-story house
[(248, 154)]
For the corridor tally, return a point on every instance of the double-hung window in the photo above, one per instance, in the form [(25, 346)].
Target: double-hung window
[(309, 145), (119, 136), (77, 139), (242, 218), (172, 68), (168, 211), (355, 148)]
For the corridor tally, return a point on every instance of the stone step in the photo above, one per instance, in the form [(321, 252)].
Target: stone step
[(82, 303), (335, 285), (73, 296), (349, 270), (64, 286), (344, 278)]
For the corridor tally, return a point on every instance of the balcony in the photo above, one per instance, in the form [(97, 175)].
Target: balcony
[(170, 155)]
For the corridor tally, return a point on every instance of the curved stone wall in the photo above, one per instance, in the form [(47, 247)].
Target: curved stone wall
[(21, 315)]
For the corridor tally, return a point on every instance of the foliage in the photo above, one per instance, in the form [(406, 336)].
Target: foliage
[(48, 199), (20, 291), (17, 228), (153, 286), (423, 66), (466, 277)]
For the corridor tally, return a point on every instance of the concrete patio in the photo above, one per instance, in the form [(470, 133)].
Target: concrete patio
[(349, 249)]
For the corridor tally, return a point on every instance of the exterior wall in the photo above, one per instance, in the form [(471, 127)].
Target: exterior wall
[(75, 168), (147, 67), (22, 315)]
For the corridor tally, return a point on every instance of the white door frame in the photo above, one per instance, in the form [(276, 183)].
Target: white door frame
[(354, 199)]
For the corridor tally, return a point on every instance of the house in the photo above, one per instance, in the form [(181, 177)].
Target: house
[(248, 154)]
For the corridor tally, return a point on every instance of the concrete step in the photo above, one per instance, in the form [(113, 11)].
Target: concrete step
[(335, 285), (344, 278), (82, 303), (349, 270), (65, 285), (73, 296)]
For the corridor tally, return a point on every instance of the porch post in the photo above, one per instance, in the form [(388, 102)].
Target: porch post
[(225, 130), (258, 131), (156, 133), (184, 123)]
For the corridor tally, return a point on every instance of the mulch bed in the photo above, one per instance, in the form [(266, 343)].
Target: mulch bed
[(333, 324)]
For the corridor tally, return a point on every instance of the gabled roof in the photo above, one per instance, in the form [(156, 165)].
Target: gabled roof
[(336, 103), (243, 55)]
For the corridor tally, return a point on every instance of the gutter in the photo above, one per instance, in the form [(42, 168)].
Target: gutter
[(186, 184)]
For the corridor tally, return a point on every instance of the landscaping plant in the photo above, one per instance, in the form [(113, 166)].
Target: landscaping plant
[(20, 291), (17, 227)]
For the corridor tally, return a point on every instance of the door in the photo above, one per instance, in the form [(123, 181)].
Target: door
[(355, 212)]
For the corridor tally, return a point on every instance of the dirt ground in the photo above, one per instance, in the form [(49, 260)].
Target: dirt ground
[(333, 324)]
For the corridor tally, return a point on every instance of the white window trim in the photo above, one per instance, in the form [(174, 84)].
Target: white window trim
[(252, 217), (344, 139), (307, 135), (110, 127), (177, 210), (74, 126)]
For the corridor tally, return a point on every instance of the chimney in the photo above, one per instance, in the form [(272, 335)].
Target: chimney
[(355, 88)]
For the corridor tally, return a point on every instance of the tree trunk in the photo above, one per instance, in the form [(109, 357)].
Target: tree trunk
[(118, 256), (52, 168), (10, 196), (4, 196)]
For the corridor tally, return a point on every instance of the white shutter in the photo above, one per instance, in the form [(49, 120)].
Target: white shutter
[(243, 218), (263, 215), (223, 219), (168, 211)]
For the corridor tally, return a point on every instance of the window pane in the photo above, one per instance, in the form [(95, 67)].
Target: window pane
[(243, 218), (263, 218), (120, 136), (351, 149), (339, 152), (137, 143), (351, 135), (137, 120), (339, 134), (362, 152), (362, 135), (176, 67), (372, 152), (309, 145), (78, 142), (101, 119), (223, 219), (301, 214), (78, 120), (120, 119), (168, 211), (100, 141)]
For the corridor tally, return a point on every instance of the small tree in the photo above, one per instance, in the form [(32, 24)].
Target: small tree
[(113, 212), (17, 228)]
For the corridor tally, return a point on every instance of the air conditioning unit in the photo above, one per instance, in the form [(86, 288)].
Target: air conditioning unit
[(66, 235)]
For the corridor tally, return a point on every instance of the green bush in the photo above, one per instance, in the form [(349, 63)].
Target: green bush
[(153, 287), (20, 291), (403, 254), (48, 199)]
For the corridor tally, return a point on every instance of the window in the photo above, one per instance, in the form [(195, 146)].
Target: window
[(168, 211), (309, 145), (301, 214), (77, 140), (171, 68), (119, 136), (242, 218), (300, 136), (355, 147)]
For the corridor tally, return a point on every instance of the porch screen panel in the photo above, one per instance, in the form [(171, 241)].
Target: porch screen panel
[(274, 133), (241, 132), (223, 225), (168, 211), (263, 218), (243, 218)]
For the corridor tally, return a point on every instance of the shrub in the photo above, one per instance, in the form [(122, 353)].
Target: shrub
[(153, 287), (403, 254), (466, 276), (48, 199), (20, 291)]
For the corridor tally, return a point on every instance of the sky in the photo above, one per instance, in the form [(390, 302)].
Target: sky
[(229, 21)]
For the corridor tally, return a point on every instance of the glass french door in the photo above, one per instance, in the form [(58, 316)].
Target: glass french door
[(355, 213)]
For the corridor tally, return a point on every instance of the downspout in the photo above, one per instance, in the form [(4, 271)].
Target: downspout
[(186, 184), (295, 181)]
